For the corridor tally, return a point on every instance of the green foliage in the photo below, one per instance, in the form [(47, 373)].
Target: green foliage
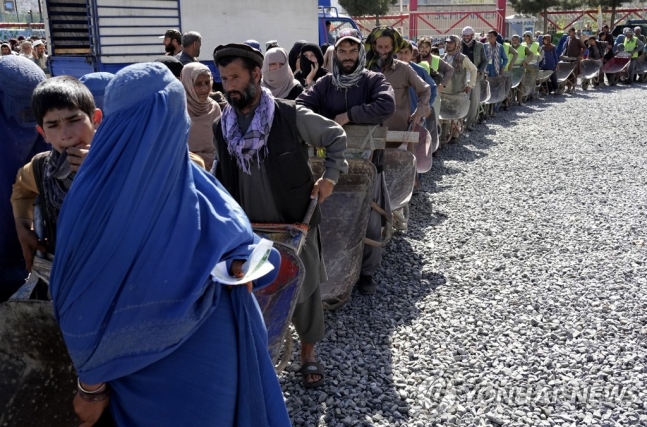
[(367, 7)]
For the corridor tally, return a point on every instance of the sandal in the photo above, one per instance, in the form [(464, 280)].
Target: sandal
[(312, 368)]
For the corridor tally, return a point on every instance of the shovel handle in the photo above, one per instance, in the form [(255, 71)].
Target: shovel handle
[(310, 211)]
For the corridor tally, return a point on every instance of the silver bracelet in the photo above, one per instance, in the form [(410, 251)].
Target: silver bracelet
[(97, 391)]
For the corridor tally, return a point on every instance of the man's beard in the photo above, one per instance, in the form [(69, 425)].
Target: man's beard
[(386, 62), (244, 98), (425, 55), (169, 48), (347, 67)]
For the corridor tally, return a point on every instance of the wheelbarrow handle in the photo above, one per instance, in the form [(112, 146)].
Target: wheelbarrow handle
[(310, 211)]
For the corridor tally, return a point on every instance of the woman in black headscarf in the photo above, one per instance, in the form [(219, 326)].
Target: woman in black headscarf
[(295, 54), (311, 66)]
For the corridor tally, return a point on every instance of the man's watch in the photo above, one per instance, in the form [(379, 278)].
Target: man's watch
[(331, 181)]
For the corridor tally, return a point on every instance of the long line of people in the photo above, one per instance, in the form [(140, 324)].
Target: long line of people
[(175, 173)]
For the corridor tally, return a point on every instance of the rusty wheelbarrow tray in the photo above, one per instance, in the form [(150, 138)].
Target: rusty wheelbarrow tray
[(278, 300), (344, 218), (616, 64)]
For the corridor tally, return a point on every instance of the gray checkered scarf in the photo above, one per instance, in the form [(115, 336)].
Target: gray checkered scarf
[(253, 144)]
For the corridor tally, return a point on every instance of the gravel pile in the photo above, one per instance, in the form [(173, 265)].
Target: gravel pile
[(518, 296)]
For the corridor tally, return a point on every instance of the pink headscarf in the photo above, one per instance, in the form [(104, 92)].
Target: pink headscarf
[(202, 113)]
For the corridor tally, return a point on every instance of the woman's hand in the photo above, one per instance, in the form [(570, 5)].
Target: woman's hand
[(89, 412), (313, 72), (237, 272)]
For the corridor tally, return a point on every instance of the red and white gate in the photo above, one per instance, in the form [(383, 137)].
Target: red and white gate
[(415, 24), (563, 20)]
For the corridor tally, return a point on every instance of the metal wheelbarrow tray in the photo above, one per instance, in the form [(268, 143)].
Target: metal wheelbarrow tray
[(517, 76), (564, 70), (344, 218), (486, 92), (530, 79), (498, 91), (590, 68), (400, 175), (454, 107)]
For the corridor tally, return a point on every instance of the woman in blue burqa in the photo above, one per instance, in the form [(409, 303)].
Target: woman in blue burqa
[(151, 335)]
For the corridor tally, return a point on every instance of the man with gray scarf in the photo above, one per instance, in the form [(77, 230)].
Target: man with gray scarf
[(353, 94), (262, 160)]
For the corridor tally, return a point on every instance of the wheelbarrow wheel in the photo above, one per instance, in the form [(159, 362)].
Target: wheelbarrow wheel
[(512, 96), (561, 88), (585, 84), (613, 79), (445, 134), (285, 354)]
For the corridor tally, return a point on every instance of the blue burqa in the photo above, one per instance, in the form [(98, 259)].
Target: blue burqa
[(140, 231), (19, 142)]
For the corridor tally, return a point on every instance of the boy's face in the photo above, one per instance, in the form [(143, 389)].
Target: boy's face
[(405, 55), (65, 128)]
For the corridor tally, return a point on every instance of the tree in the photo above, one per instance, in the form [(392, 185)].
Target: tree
[(535, 7), (608, 4), (367, 7)]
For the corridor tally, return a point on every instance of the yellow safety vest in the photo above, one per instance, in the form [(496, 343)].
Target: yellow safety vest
[(506, 49), (425, 65), (435, 62), (630, 45), (534, 47), (521, 51)]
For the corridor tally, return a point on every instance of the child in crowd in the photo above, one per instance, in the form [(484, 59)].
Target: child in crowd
[(67, 119)]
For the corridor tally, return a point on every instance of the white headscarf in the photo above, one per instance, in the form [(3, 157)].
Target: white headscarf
[(281, 81)]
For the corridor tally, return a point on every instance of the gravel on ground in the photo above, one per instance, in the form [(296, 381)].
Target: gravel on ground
[(518, 296)]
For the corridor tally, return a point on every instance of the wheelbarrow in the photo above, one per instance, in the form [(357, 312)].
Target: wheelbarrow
[(516, 77), (530, 82), (485, 92), (344, 218), (498, 93), (278, 300), (641, 67), (400, 174), (542, 81), (615, 66), (453, 109), (563, 72), (590, 69)]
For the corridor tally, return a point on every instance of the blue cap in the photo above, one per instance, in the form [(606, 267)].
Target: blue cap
[(253, 43)]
